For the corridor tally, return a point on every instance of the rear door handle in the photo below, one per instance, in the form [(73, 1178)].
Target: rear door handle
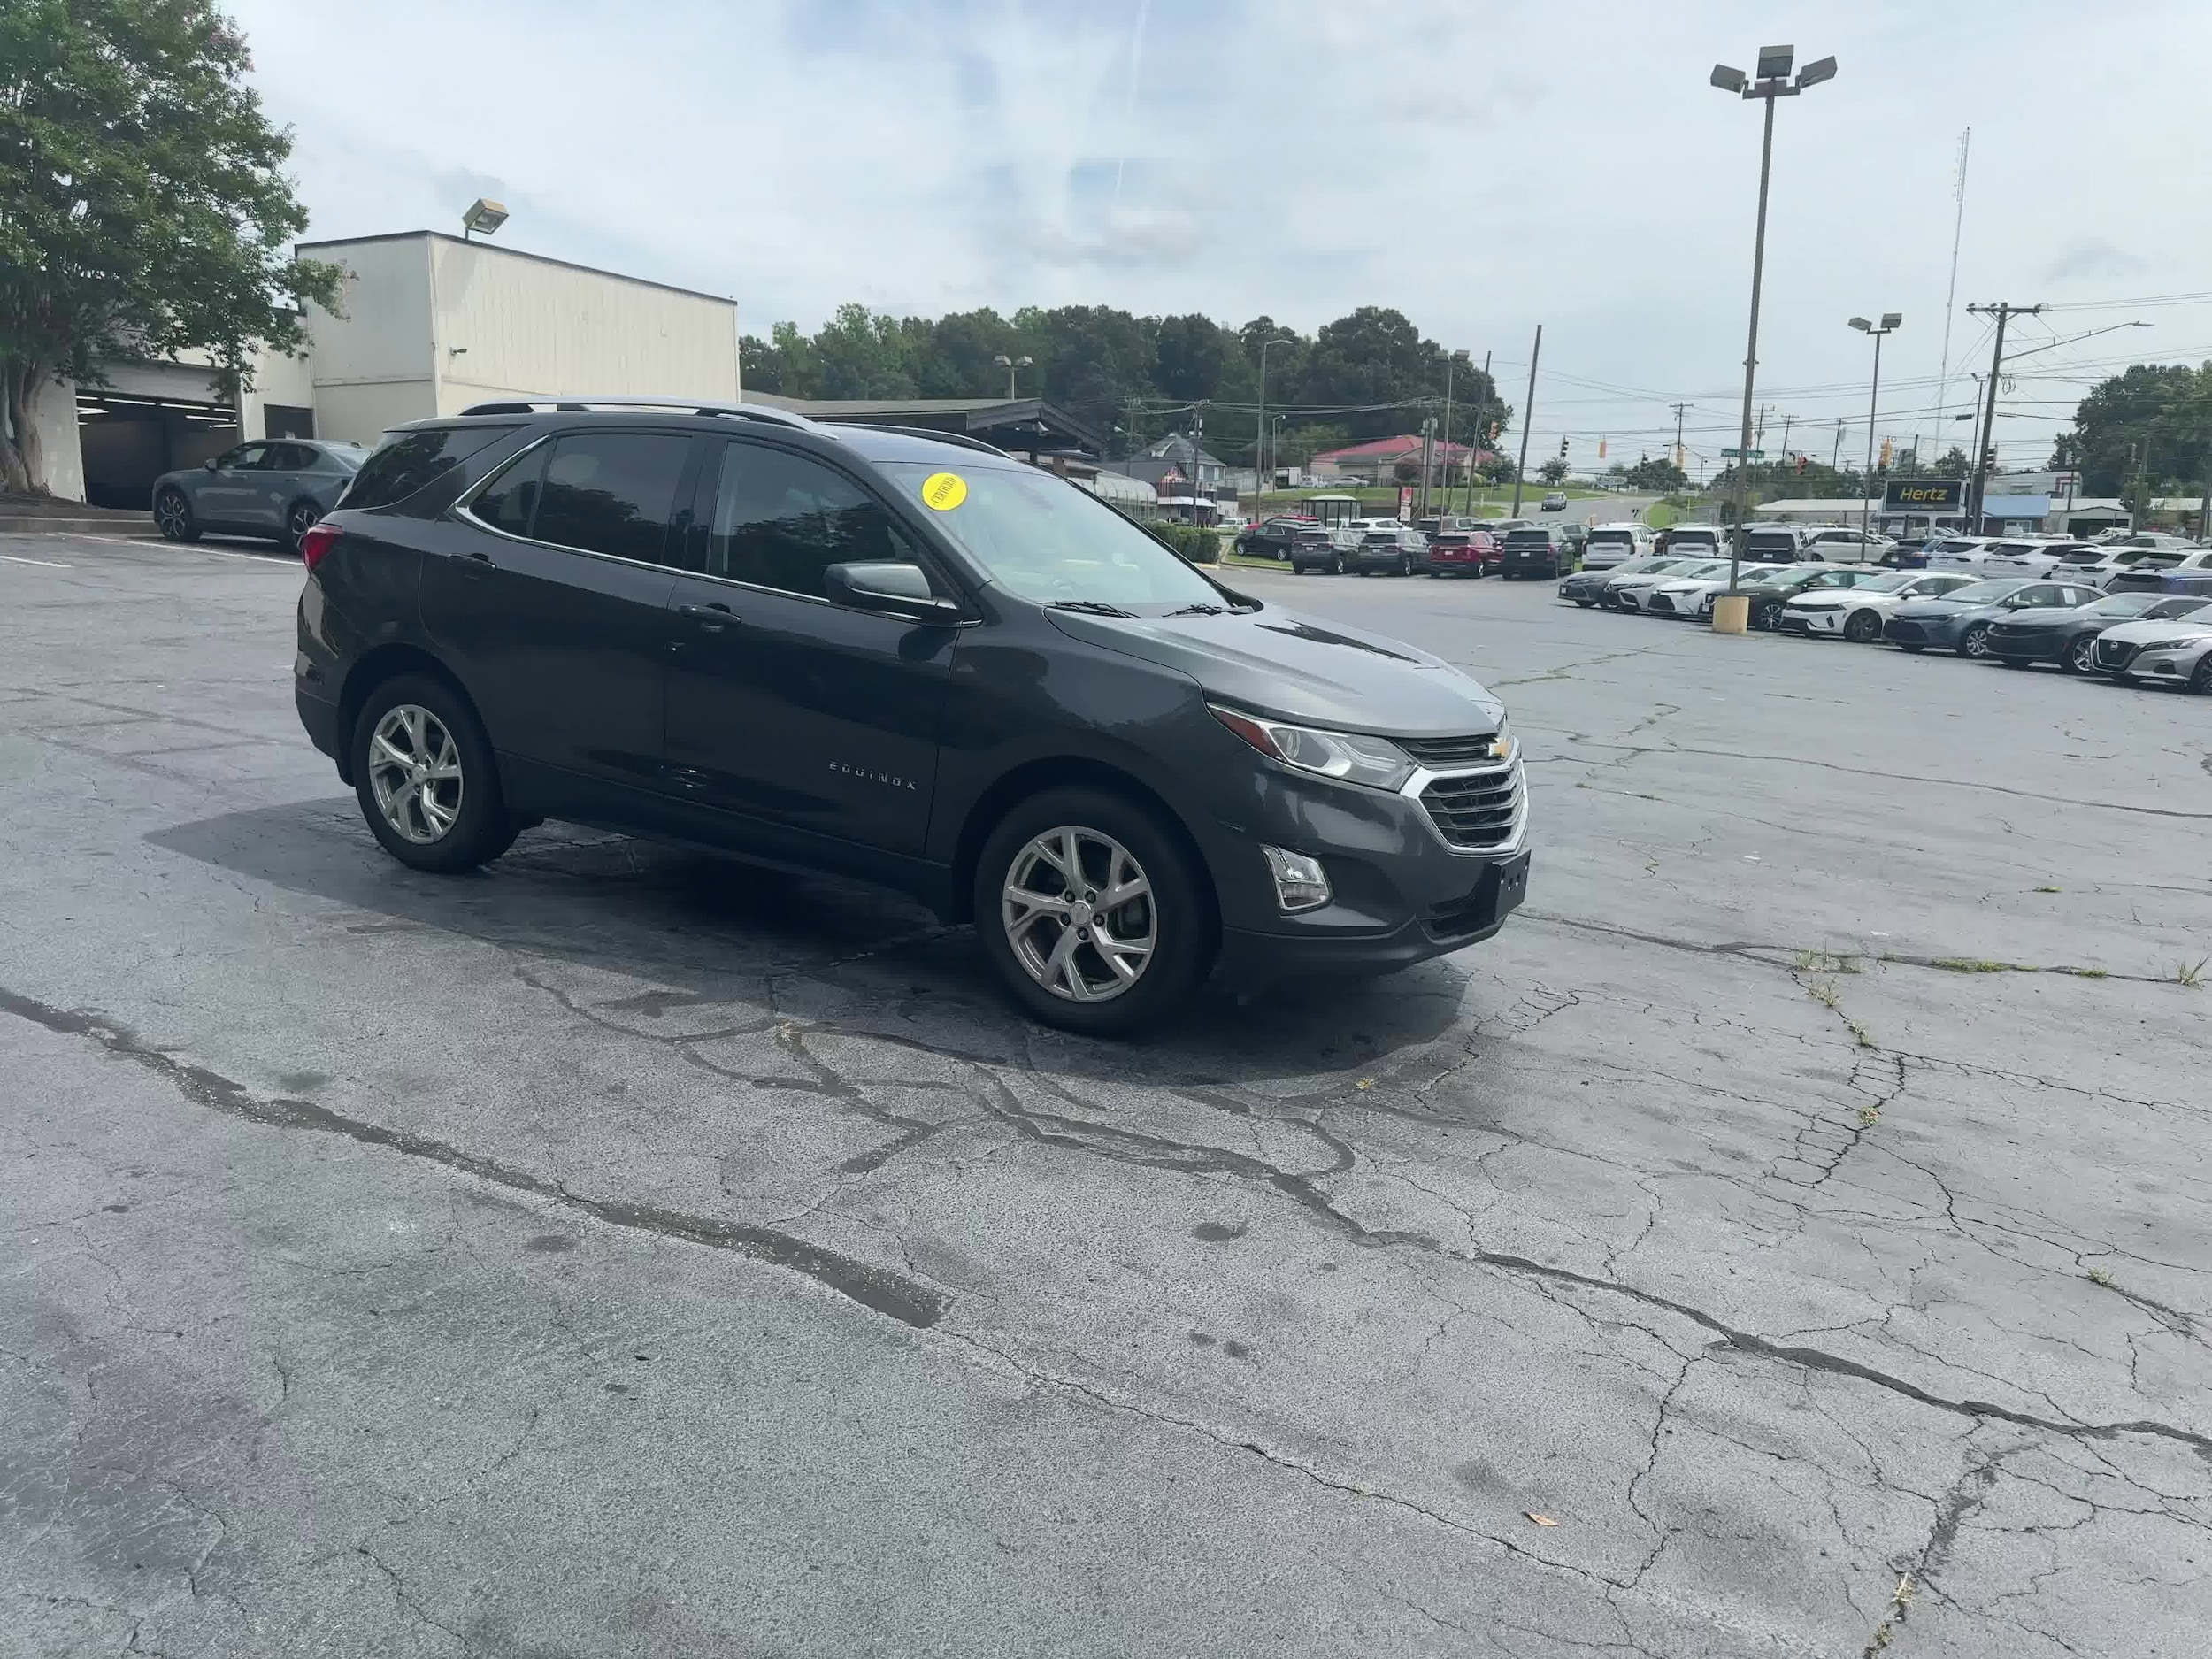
[(712, 617)]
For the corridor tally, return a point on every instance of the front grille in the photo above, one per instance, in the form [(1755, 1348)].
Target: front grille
[(1448, 751), (1659, 602), (2114, 653), (1792, 624), (1909, 632), (1478, 809)]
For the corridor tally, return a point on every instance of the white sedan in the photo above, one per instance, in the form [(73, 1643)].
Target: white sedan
[(1692, 596), (1857, 613), (2178, 653), (1629, 592)]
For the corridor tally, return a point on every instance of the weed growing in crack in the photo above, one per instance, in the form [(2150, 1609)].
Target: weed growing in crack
[(2084, 973), (1823, 962), (1823, 993), (2098, 1276), (1869, 1116), (1979, 964), (1859, 1034), (2050, 889), (2191, 974)]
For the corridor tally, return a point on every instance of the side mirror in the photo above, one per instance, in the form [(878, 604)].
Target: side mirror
[(893, 589)]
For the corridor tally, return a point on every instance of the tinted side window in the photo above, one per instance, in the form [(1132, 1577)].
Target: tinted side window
[(507, 503), (611, 492), (780, 519), (290, 458), (409, 462)]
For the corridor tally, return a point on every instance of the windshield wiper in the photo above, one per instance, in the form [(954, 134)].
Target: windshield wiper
[(1089, 607), (1201, 609)]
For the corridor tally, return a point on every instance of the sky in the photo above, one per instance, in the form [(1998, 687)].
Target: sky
[(1483, 167)]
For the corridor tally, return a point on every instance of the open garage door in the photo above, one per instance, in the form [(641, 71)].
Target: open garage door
[(147, 419)]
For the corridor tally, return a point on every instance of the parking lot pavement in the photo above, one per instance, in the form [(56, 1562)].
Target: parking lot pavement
[(1759, 1247)]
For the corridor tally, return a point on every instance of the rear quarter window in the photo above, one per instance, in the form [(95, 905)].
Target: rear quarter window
[(412, 460)]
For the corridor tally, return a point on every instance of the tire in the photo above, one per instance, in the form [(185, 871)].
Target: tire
[(1405, 565), (464, 826), (1336, 564), (1767, 618), (1585, 604), (2079, 654), (1175, 918), (2200, 682), (175, 517), (1863, 627), (299, 518), (1974, 643)]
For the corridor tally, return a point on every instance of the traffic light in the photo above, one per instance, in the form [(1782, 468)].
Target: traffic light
[(1989, 459), (1600, 448), (1888, 449), (1800, 460), (1562, 449)]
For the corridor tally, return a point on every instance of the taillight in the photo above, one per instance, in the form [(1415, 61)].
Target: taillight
[(318, 540)]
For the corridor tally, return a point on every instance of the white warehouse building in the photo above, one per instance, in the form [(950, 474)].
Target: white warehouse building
[(432, 324)]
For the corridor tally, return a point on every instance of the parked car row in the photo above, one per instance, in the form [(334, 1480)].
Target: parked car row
[(2149, 635)]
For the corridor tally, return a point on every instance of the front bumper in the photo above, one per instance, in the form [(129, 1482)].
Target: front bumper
[(2167, 661), (1811, 622), (2040, 645), (1941, 631), (1401, 890)]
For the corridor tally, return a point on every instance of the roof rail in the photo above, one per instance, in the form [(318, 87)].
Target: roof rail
[(764, 412), (961, 439)]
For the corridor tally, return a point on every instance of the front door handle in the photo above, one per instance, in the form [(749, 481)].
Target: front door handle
[(712, 617), (477, 565)]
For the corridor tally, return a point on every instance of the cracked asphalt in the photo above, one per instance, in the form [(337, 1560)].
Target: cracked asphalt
[(1800, 1207)]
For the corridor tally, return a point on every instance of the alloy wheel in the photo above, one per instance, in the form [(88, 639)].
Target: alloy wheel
[(1336, 564), (1861, 628), (173, 514), (1078, 914), (303, 519), (1975, 641), (415, 772), (2081, 656)]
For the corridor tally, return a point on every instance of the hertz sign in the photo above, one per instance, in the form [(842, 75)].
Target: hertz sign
[(1924, 495)]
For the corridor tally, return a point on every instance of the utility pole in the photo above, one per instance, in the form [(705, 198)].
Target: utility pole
[(1520, 471), (1678, 457), (2004, 311), (1428, 460), (1476, 438), (1448, 363), (1950, 296), (1835, 450), (1787, 421)]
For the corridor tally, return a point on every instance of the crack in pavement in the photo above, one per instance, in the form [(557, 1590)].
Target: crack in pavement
[(878, 1289)]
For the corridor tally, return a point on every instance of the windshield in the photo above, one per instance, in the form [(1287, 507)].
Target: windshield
[(2121, 605), (1888, 584), (2165, 610), (1048, 541), (1611, 535), (1982, 593)]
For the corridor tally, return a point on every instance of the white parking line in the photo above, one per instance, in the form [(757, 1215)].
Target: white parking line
[(51, 564), (173, 547)]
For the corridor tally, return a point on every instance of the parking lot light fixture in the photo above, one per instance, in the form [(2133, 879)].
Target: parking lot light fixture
[(1010, 364), (1888, 325), (483, 218), (1773, 83)]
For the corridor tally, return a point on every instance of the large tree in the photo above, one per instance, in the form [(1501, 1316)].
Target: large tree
[(144, 211), (2147, 423)]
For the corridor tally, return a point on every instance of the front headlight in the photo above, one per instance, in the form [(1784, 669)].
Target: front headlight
[(1375, 761), (2193, 642)]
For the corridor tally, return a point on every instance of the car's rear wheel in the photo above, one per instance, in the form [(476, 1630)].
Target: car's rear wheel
[(173, 517), (1092, 912), (1975, 641), (1336, 564), (1863, 626), (2200, 682), (1405, 565), (303, 518), (1766, 619), (425, 778)]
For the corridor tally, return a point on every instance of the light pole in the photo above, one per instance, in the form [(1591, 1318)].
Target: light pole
[(1887, 325), (1009, 364), (1260, 439), (1772, 82)]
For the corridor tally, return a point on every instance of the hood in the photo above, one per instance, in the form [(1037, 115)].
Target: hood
[(1918, 607), (2156, 632), (1299, 668)]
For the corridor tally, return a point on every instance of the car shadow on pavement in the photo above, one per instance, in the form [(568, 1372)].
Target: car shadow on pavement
[(714, 931)]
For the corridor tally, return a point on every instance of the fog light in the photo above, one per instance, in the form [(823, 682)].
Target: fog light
[(1300, 882)]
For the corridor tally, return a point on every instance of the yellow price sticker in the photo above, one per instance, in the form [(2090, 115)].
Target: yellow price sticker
[(942, 492)]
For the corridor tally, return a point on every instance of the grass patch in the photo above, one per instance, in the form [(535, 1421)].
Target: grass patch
[(2084, 974), (2050, 889), (1822, 962), (1979, 964), (2098, 1276), (1859, 1034), (2191, 974), (1823, 993), (1869, 1116)]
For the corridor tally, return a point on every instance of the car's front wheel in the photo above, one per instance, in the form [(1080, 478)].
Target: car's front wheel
[(1863, 627), (303, 518), (1975, 641), (2079, 655), (173, 517), (424, 772), (1092, 912)]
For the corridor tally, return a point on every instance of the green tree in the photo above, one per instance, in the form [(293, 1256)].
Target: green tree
[(144, 211), (1655, 473), (2150, 419), (1553, 471)]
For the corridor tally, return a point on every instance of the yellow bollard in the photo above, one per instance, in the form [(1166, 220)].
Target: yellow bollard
[(1731, 613)]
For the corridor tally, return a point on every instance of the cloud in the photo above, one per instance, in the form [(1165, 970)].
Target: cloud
[(1481, 168)]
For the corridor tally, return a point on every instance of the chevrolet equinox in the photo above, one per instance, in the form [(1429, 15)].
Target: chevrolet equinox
[(907, 658)]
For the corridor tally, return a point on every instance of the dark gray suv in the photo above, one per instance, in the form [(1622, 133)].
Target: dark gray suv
[(903, 657), (276, 487)]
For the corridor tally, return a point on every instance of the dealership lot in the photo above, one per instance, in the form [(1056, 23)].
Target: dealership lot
[(1764, 1246)]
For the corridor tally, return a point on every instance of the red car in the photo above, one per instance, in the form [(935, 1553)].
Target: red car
[(1464, 553)]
